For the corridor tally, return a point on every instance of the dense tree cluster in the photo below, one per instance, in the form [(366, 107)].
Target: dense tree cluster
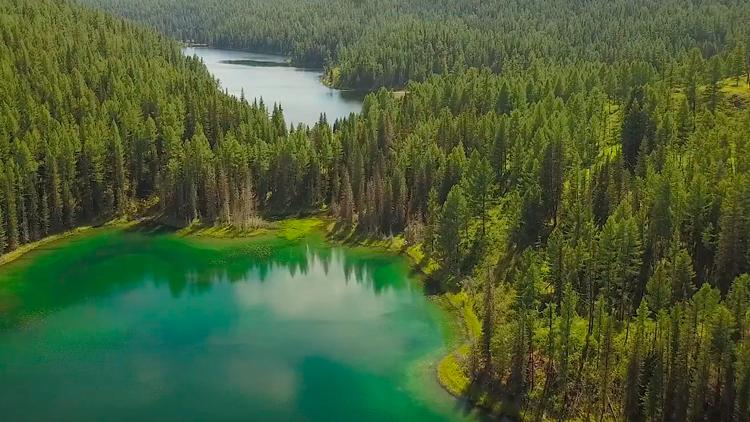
[(376, 43), (598, 216), (594, 209), (98, 118)]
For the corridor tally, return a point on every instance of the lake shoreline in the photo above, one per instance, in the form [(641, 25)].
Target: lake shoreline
[(456, 308), (446, 369), (151, 239), (27, 248)]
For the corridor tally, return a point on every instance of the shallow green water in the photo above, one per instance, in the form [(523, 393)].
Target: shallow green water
[(126, 325)]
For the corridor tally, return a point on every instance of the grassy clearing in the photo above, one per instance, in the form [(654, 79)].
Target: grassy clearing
[(451, 370), (451, 375), (731, 87), (399, 94), (297, 228), (734, 95), (348, 235), (218, 232), (464, 305), (290, 229)]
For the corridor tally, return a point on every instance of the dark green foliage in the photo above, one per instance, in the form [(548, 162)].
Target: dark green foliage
[(479, 186), (390, 42), (636, 130), (3, 239), (734, 238), (452, 222)]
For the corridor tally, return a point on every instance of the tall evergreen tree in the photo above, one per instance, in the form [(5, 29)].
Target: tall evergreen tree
[(452, 223), (479, 187)]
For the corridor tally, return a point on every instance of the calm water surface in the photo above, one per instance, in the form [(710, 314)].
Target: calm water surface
[(116, 325), (299, 91)]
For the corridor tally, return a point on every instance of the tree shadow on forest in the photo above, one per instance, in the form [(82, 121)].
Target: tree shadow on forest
[(487, 402), (154, 226)]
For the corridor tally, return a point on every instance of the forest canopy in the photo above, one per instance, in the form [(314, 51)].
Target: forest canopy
[(368, 44), (573, 176)]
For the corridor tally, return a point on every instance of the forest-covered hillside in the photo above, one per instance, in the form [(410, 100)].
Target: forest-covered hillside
[(376, 43), (586, 209), (99, 118)]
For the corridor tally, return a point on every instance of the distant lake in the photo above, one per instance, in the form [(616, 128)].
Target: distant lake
[(300, 92)]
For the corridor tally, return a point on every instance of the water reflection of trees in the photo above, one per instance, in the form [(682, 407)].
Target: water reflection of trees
[(376, 271), (61, 278)]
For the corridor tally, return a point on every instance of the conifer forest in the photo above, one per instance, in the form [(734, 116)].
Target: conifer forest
[(571, 177)]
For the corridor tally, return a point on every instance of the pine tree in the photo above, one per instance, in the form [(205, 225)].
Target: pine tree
[(633, 378), (653, 403), (659, 288), (54, 199), (713, 91), (10, 204), (684, 122), (693, 72), (503, 99), (399, 202), (479, 187), (3, 240), (635, 126), (730, 255), (551, 179), (488, 322), (723, 356), (567, 318), (738, 302), (433, 222), (605, 359), (452, 222), (346, 203), (677, 390), (660, 221), (742, 376), (682, 275), (530, 228), (117, 169), (739, 62)]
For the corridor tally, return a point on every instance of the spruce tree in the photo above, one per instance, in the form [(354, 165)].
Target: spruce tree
[(479, 187), (346, 202), (3, 240), (452, 222)]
